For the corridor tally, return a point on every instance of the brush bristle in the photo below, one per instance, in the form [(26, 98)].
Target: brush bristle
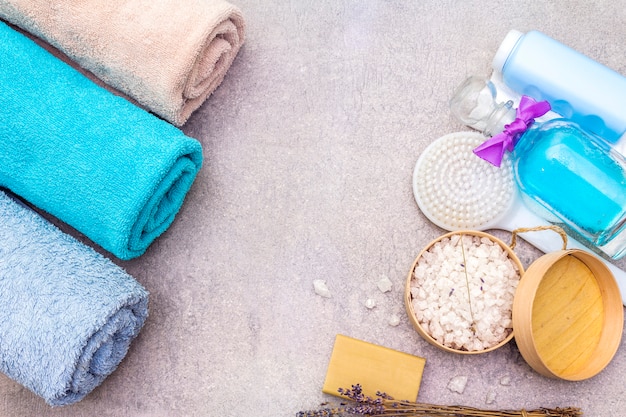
[(456, 189)]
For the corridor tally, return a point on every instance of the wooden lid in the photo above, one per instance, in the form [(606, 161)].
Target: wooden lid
[(568, 315)]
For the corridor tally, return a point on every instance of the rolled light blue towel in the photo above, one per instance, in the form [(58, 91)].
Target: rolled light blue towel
[(68, 314), (111, 170)]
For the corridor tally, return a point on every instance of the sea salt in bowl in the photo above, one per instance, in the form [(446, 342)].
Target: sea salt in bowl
[(460, 289)]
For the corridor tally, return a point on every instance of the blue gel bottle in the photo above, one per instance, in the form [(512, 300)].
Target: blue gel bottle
[(577, 87), (566, 174), (577, 177)]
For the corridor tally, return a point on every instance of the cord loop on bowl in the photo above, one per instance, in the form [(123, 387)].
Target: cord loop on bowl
[(554, 228)]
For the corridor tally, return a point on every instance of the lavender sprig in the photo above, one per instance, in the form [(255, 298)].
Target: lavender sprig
[(383, 404)]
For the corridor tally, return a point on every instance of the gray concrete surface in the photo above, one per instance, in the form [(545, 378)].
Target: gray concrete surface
[(309, 147)]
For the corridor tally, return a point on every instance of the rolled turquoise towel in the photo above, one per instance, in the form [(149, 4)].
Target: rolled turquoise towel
[(68, 314), (111, 170)]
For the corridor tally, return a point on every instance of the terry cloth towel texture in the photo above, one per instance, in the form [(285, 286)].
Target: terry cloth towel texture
[(111, 170), (68, 313), (168, 55)]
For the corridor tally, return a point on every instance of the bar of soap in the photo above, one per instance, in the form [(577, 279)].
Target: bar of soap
[(375, 367)]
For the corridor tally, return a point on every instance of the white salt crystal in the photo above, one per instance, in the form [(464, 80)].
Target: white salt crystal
[(489, 338), (444, 309), (320, 288), (457, 384), (421, 305), (436, 330), (419, 271), (505, 380), (370, 303), (394, 320), (432, 297), (384, 285), (417, 293), (465, 315), (452, 317), (421, 293), (419, 315), (482, 326), (448, 251), (491, 397), (429, 256), (476, 344)]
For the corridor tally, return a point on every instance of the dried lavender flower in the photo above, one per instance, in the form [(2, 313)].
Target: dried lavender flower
[(385, 405)]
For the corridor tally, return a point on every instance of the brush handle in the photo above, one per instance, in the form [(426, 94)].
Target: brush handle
[(546, 241)]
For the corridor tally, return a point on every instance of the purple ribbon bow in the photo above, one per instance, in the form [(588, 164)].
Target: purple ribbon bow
[(492, 150)]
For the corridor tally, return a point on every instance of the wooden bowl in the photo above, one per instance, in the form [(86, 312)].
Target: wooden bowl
[(568, 315), (408, 298)]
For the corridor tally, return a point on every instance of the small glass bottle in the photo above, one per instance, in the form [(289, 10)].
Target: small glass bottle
[(577, 177)]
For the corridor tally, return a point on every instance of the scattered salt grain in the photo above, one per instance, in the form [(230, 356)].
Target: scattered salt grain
[(505, 380), (394, 320), (457, 384), (491, 397), (320, 288), (385, 284), (370, 303), (462, 292)]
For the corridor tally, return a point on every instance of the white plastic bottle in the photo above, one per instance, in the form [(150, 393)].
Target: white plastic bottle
[(577, 87)]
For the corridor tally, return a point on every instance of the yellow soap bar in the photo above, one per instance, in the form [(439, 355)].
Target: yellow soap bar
[(375, 368)]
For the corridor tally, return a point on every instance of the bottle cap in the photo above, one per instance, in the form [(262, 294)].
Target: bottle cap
[(505, 49)]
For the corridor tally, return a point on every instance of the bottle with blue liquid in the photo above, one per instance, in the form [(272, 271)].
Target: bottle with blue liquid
[(571, 176)]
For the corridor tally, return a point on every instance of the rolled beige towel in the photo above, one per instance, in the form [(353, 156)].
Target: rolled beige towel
[(167, 55)]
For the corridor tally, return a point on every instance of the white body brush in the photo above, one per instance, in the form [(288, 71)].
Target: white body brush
[(457, 190)]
